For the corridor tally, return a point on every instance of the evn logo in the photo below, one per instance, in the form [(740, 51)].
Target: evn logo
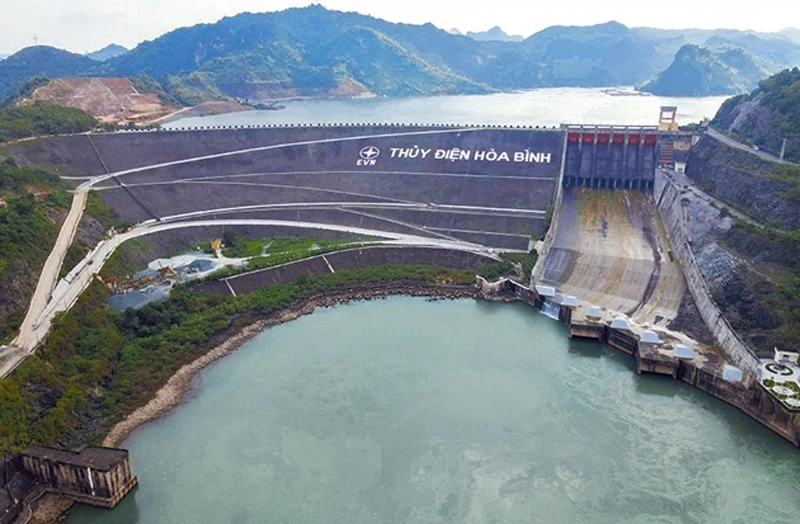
[(369, 156)]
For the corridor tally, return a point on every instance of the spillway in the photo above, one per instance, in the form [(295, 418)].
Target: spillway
[(611, 250)]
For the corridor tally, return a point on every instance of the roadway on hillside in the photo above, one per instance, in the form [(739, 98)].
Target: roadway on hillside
[(683, 181), (52, 267), (71, 287), (730, 142), (28, 337)]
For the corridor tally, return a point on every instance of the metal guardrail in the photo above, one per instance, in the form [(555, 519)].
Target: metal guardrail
[(336, 125)]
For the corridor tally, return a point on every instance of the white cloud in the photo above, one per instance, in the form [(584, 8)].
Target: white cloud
[(85, 25)]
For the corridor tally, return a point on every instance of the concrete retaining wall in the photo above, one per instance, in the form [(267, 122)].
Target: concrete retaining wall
[(550, 238), (668, 198), (349, 259)]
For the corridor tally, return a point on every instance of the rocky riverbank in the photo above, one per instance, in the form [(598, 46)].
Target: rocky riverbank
[(174, 391), (51, 508)]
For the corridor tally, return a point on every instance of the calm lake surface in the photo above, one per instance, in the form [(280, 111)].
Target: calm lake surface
[(409, 411), (543, 107)]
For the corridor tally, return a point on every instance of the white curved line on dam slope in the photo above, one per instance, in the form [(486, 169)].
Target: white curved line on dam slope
[(253, 184), (192, 160), (379, 205), (68, 290)]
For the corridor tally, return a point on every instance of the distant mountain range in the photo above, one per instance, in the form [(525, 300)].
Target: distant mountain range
[(791, 33), (495, 34), (700, 71), (110, 51), (313, 51)]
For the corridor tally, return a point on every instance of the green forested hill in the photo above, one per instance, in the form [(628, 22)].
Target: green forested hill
[(309, 51), (768, 115), (313, 51), (699, 71), (39, 61), (42, 119)]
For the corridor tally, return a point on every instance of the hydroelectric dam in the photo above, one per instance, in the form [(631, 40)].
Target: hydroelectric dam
[(477, 189), (591, 199)]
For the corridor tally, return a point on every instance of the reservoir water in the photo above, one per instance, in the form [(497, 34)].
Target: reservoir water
[(542, 107), (409, 411)]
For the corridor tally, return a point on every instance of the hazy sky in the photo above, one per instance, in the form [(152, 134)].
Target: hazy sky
[(84, 25)]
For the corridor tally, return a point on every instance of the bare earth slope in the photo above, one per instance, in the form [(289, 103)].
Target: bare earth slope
[(108, 99), (610, 251)]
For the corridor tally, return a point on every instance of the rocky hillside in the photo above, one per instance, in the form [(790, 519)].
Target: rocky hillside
[(768, 115), (767, 191), (700, 71), (751, 273)]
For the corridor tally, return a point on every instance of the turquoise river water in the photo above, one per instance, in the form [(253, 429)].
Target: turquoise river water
[(410, 411)]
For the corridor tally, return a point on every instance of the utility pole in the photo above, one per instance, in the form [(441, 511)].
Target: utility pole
[(783, 149)]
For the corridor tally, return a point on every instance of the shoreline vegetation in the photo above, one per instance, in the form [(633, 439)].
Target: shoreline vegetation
[(98, 365), (52, 508), (173, 393)]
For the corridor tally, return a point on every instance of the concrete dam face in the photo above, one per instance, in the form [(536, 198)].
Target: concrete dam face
[(611, 250), (487, 186), (483, 185)]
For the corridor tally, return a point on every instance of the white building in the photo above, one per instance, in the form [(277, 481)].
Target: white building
[(786, 357)]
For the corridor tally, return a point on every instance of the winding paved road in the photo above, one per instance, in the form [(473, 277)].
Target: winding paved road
[(52, 267), (53, 296), (38, 322), (29, 337), (730, 142)]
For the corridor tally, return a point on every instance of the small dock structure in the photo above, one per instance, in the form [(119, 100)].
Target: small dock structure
[(96, 476)]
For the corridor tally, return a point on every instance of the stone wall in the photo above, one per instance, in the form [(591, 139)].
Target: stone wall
[(668, 198)]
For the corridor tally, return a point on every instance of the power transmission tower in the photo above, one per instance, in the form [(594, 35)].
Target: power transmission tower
[(35, 39)]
